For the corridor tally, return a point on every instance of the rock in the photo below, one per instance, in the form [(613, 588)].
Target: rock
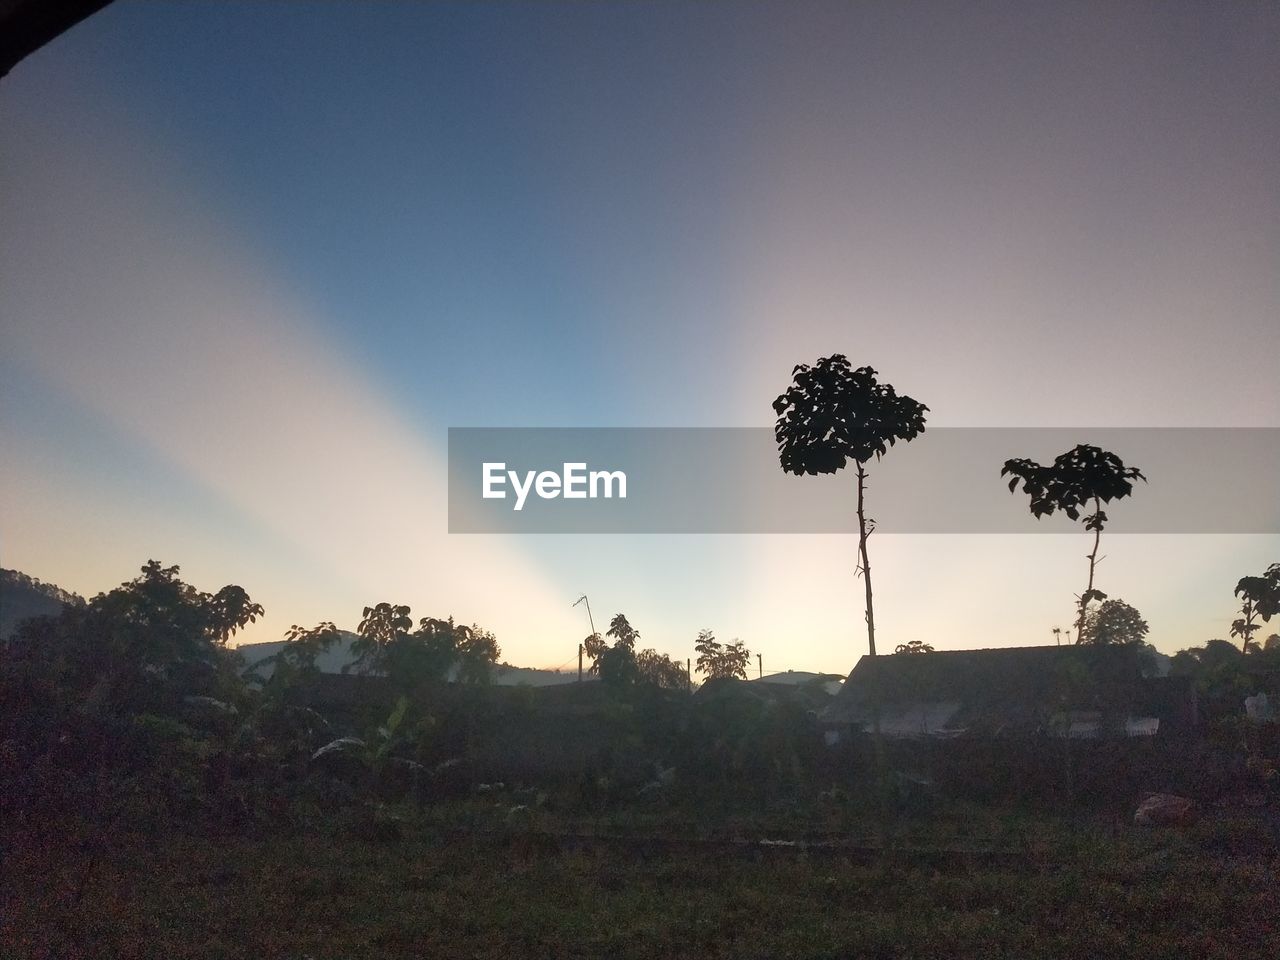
[(1164, 810)]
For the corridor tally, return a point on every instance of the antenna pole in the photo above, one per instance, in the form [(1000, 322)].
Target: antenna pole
[(590, 619)]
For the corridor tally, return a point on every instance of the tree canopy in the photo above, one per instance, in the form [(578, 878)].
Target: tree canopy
[(1114, 622), (833, 413), (717, 660)]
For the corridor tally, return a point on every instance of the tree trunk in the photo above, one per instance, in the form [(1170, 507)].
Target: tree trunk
[(1093, 562), (866, 563), (877, 737)]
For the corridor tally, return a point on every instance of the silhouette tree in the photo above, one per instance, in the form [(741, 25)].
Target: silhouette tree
[(833, 414), (617, 666), (1115, 622), (660, 670), (624, 636), (1083, 475), (1260, 597), (623, 633), (717, 660), (915, 646), (382, 625), (429, 653), (146, 641), (478, 651), (594, 647)]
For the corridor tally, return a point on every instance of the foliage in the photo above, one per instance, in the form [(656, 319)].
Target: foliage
[(1114, 622), (387, 644), (832, 414), (623, 633), (619, 664), (1260, 598), (594, 646), (149, 642), (661, 671), (295, 664), (381, 626), (1082, 476), (721, 661), (915, 646)]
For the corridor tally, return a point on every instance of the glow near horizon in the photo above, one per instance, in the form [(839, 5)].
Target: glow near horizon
[(225, 382)]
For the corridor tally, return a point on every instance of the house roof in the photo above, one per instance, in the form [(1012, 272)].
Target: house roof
[(829, 683), (997, 690)]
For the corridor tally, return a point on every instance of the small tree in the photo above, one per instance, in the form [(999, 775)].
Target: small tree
[(717, 660), (597, 646), (478, 652), (145, 642), (659, 670), (594, 647), (1082, 476), (1260, 597), (617, 666), (623, 633), (1115, 622), (381, 626), (833, 414), (915, 646)]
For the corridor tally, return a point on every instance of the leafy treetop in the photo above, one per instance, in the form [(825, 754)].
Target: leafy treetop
[(1114, 622), (1084, 473), (915, 646), (833, 413)]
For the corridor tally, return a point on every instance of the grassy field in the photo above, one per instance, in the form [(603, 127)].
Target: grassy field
[(965, 885)]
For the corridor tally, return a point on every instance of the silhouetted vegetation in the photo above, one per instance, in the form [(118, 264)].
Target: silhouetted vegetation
[(130, 716), (1260, 599), (833, 414), (914, 646), (1114, 621), (1082, 476), (721, 661)]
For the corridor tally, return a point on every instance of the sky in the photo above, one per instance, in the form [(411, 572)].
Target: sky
[(257, 258)]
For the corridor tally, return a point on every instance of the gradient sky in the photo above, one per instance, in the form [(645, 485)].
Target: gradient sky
[(256, 258)]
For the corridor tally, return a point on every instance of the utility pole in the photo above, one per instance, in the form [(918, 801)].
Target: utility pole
[(590, 619), (760, 664)]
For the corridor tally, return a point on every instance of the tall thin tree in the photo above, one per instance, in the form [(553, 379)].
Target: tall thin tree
[(833, 414), (1082, 476)]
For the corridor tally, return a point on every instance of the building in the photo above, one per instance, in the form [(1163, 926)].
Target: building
[(828, 683), (1079, 692)]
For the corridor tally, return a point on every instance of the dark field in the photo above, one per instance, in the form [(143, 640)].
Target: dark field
[(389, 883)]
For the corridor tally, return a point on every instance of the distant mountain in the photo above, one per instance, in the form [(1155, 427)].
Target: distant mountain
[(22, 597)]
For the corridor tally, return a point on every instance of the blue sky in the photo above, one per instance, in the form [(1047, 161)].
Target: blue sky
[(256, 258)]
